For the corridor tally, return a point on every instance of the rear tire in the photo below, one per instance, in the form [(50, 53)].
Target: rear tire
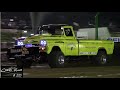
[(56, 59), (101, 58)]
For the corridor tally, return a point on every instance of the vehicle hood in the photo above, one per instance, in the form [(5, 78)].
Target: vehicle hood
[(36, 38)]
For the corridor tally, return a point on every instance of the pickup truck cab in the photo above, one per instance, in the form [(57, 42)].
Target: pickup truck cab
[(57, 44)]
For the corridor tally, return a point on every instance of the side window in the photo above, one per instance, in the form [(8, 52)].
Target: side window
[(68, 32)]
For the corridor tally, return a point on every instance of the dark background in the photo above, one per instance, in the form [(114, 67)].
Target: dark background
[(21, 19)]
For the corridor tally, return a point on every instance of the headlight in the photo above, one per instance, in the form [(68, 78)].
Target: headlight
[(28, 45), (43, 42), (20, 43)]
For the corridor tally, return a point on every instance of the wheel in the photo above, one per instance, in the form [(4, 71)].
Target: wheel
[(101, 58), (56, 59)]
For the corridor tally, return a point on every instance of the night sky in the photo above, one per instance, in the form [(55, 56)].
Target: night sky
[(84, 17), (105, 18)]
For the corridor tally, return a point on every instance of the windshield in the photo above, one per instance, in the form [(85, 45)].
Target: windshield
[(54, 30)]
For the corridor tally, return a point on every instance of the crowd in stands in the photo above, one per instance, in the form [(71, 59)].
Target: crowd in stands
[(14, 20)]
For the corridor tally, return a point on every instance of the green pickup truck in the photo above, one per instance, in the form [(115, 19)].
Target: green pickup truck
[(57, 44)]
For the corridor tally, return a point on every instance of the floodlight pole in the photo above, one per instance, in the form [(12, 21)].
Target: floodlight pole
[(96, 25)]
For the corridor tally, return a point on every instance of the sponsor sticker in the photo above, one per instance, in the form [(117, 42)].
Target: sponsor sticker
[(115, 39), (87, 53), (15, 50)]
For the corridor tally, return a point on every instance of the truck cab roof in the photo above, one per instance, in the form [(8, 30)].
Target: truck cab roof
[(54, 25), (58, 24)]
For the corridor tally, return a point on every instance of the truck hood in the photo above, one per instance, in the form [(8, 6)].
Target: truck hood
[(36, 38)]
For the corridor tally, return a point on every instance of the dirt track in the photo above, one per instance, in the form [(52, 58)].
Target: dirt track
[(74, 70)]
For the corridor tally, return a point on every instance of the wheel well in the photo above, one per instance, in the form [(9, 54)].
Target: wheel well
[(56, 48), (102, 49)]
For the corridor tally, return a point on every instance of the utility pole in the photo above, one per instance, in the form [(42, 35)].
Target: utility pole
[(96, 25)]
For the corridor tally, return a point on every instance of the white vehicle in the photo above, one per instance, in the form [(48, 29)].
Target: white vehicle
[(89, 33)]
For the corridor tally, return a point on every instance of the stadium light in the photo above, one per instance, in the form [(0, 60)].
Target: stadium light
[(11, 20), (25, 31)]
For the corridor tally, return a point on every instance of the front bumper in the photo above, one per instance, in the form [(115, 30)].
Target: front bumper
[(34, 53)]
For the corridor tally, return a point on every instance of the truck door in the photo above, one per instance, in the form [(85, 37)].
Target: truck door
[(87, 47), (71, 45)]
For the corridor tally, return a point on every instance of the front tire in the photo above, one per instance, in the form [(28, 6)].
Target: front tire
[(56, 59)]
